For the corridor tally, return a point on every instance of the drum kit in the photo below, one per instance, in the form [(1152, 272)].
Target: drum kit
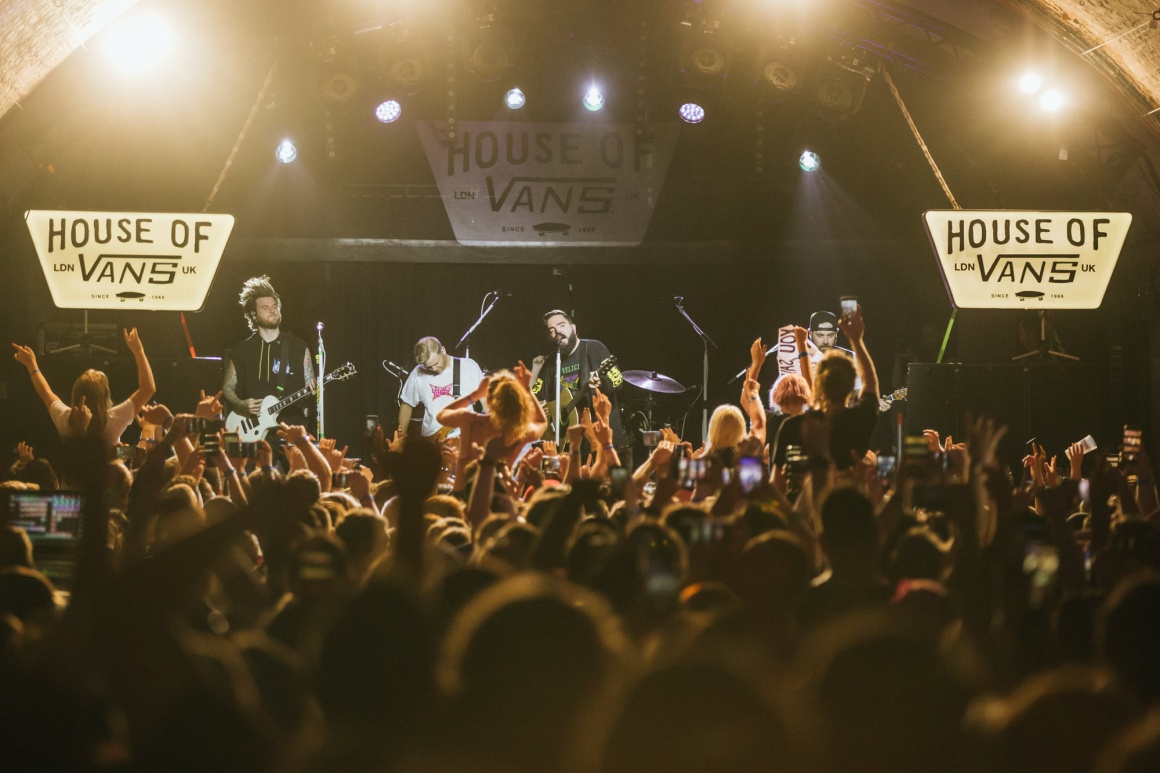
[(652, 390)]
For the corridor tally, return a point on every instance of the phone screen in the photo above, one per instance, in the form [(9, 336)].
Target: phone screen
[(886, 466), (849, 305), (750, 473), (1132, 442)]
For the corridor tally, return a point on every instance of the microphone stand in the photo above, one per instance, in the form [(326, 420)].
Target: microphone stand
[(745, 370), (557, 399), (320, 381), (467, 336), (707, 341)]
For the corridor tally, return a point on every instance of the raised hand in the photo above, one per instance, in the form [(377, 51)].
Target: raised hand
[(24, 452), (538, 361), (933, 441), (79, 417), (133, 341), (523, 375), (800, 335), (481, 391), (550, 448), (1074, 454), (25, 356), (661, 456), (667, 433), (575, 435), (756, 358), (156, 414), (601, 405), (1051, 476), (265, 454), (210, 407), (336, 457), (397, 442), (292, 434)]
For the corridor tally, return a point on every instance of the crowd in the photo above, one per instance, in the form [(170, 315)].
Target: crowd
[(770, 601)]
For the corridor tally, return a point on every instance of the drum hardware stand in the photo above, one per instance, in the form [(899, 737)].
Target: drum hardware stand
[(679, 301), (320, 383), (85, 345), (1045, 349)]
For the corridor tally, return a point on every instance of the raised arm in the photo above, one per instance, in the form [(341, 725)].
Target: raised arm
[(146, 387), (26, 357), (800, 335), (855, 328), (458, 413)]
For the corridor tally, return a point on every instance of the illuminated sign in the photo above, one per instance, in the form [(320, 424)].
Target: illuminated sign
[(128, 260), (1004, 259), (541, 184)]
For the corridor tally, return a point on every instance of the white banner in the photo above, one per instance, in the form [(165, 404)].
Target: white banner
[(1005, 259), (128, 260), (787, 353), (547, 184)]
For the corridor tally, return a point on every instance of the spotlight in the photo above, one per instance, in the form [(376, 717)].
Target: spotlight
[(514, 99), (285, 152), (490, 60), (691, 112), (138, 44), (1030, 83), (1051, 101), (389, 111), (810, 161), (593, 99)]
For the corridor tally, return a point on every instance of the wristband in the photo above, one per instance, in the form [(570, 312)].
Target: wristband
[(231, 471), (803, 354), (607, 447), (149, 440), (35, 371), (267, 468)]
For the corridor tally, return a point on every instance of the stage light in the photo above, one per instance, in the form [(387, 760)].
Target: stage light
[(285, 152), (514, 99), (810, 161), (138, 44), (1051, 101), (389, 111), (1030, 83), (593, 99), (779, 76), (490, 60), (691, 112)]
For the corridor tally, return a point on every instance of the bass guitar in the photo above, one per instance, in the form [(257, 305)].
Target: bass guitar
[(569, 413), (253, 428), (886, 401)]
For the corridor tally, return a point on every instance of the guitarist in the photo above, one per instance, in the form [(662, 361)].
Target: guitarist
[(580, 359), (269, 362), (437, 381)]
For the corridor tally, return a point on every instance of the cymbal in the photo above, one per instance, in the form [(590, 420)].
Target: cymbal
[(652, 381)]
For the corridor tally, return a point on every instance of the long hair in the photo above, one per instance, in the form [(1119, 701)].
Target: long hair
[(509, 406), (726, 427), (93, 385), (834, 381), (252, 289)]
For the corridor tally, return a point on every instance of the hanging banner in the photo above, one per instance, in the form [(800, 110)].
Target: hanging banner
[(548, 184), (787, 353), (1005, 259), (128, 260)]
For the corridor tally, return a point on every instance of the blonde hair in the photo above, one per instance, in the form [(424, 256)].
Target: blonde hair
[(509, 406), (834, 381), (726, 427), (425, 348), (93, 385)]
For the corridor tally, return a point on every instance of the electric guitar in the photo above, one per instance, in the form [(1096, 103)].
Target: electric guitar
[(886, 401), (253, 428), (569, 413)]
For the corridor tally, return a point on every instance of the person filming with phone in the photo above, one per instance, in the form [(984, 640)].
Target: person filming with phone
[(850, 428)]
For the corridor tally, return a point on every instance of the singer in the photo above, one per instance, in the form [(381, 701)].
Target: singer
[(580, 360), (437, 381), (266, 363)]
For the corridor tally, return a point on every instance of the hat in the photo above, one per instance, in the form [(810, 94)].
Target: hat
[(823, 320)]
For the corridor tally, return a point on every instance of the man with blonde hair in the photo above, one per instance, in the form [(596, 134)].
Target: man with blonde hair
[(437, 381)]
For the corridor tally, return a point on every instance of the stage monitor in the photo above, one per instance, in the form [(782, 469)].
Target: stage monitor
[(1008, 259)]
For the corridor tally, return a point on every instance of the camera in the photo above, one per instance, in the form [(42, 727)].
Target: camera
[(650, 438)]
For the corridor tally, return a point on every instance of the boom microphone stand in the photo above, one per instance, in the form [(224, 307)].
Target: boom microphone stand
[(679, 300), (320, 382), (495, 295)]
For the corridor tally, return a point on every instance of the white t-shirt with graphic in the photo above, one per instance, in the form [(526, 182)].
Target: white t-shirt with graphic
[(434, 392)]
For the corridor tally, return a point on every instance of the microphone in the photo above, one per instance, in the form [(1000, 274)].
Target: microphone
[(319, 327), (393, 369), (503, 293)]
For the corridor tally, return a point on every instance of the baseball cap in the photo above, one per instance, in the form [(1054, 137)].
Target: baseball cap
[(823, 320)]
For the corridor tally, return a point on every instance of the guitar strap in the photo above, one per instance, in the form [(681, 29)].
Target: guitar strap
[(585, 368), (455, 395)]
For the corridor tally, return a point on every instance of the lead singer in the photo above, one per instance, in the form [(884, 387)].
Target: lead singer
[(580, 359)]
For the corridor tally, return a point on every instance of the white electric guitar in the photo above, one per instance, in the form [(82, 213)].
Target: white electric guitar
[(253, 428)]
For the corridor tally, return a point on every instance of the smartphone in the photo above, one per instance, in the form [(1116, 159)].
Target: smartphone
[(650, 438), (915, 455), (795, 460), (130, 455), (750, 473), (550, 464), (849, 305), (338, 480), (886, 466), (232, 442), (372, 423), (1132, 441)]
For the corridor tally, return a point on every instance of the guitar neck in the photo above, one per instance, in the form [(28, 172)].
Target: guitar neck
[(290, 399)]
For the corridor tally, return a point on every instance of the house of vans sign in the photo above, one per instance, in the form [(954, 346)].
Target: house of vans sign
[(548, 184), (128, 260), (1005, 259)]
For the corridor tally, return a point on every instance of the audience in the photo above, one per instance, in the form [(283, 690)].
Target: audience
[(469, 607)]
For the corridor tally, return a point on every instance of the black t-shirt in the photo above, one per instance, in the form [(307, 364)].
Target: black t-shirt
[(850, 431), (261, 371), (574, 371)]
